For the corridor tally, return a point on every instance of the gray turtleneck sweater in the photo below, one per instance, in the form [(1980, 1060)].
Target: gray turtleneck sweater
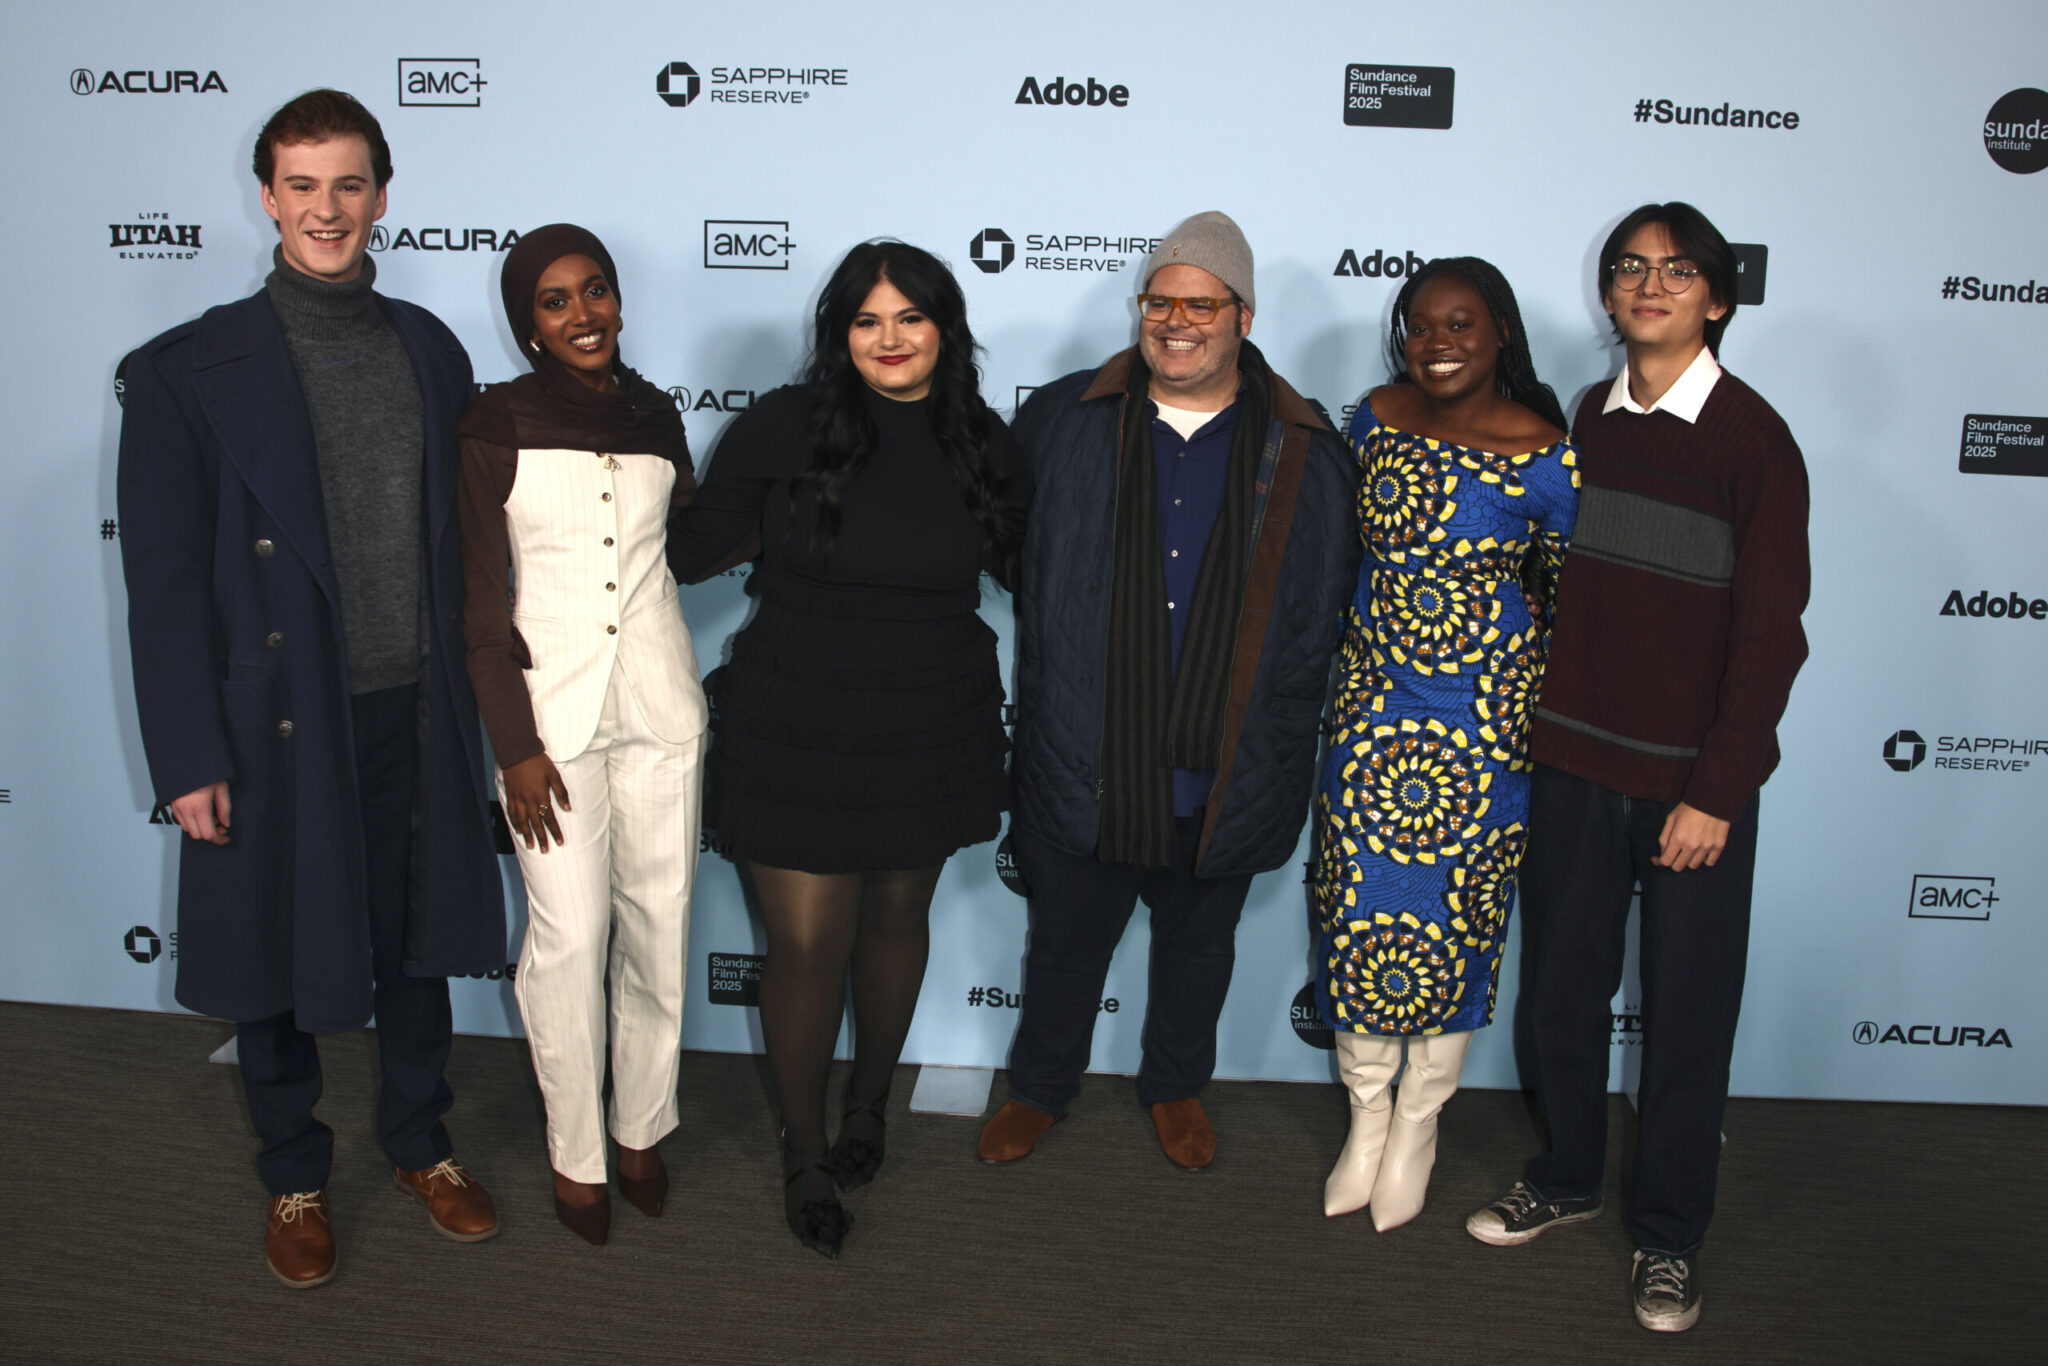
[(369, 437)]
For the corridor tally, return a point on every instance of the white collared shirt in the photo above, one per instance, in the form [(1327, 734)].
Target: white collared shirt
[(1686, 396)]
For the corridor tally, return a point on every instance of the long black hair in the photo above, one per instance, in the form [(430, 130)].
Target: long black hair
[(1514, 374), (842, 433)]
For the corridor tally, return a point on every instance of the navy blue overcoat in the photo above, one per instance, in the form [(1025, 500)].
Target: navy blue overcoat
[(234, 622)]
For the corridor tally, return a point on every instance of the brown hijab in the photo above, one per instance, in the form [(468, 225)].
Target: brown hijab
[(552, 408)]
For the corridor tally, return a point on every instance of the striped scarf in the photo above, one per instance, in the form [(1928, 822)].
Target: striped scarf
[(1156, 718)]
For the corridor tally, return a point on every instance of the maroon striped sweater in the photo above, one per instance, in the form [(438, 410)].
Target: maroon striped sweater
[(1677, 635)]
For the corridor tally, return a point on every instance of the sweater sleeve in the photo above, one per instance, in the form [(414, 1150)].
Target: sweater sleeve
[(496, 654), (721, 525), (1766, 644)]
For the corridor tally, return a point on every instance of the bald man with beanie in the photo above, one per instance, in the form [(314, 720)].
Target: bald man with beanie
[(1193, 541)]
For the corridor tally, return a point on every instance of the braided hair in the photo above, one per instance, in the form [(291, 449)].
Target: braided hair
[(843, 435), (1514, 374)]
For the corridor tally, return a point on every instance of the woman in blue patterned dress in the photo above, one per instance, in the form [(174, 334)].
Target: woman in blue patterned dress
[(1424, 799)]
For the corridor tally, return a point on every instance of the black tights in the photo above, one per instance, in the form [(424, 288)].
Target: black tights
[(818, 923)]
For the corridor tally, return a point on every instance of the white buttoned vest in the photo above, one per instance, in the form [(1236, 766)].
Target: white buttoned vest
[(591, 589)]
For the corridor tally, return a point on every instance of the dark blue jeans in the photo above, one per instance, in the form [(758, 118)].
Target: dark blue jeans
[(1079, 908), (280, 1062), (1589, 847)]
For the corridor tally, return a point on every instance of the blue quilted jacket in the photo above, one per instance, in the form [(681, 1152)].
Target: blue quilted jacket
[(1303, 568)]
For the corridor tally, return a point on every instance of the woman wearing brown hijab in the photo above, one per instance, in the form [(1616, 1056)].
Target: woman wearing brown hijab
[(588, 686)]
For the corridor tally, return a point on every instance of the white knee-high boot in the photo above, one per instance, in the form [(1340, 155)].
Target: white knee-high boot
[(1434, 1062), (1368, 1063)]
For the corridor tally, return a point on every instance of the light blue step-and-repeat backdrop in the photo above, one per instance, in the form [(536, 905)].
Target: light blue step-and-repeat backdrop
[(1879, 168)]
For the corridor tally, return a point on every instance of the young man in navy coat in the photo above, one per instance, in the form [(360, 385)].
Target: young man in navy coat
[(287, 497)]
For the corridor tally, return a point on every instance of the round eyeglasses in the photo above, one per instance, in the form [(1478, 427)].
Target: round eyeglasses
[(1630, 272)]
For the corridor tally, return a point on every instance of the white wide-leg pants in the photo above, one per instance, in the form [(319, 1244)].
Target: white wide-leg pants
[(611, 906)]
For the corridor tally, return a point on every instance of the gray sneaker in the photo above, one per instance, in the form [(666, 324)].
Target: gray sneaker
[(1521, 1214), (1666, 1293)]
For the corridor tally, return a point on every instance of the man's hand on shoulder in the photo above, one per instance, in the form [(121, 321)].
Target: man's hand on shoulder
[(1690, 838), (204, 814)]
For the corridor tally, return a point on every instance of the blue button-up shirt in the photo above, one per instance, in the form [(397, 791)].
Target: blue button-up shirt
[(1191, 477)]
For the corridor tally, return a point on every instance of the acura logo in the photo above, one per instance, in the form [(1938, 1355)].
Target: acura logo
[(83, 82), (1865, 1031)]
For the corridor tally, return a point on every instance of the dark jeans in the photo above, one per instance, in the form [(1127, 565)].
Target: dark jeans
[(1589, 846), (1079, 908), (281, 1063)]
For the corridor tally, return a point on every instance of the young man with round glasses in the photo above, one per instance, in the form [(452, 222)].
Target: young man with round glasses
[(1677, 641), (1191, 546)]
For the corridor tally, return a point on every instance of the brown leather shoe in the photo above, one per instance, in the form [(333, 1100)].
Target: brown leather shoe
[(1184, 1133), (1013, 1133), (300, 1242), (459, 1207)]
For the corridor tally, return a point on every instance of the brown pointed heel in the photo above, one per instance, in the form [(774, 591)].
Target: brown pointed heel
[(646, 1193), (592, 1222)]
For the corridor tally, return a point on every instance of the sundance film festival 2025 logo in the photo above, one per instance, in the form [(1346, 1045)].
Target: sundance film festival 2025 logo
[(88, 81), (994, 251), (679, 85), (1088, 93), (1930, 1035), (1379, 95), (153, 237), (1720, 115), (1906, 750), (734, 979), (1937, 896), (1994, 444), (1987, 603), (747, 244), (441, 82), (384, 238), (2016, 130)]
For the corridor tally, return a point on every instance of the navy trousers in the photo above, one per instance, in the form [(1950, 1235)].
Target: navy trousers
[(1589, 847), (1079, 908), (281, 1062)]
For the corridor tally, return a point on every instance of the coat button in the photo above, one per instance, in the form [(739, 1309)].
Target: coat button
[(275, 640), (607, 540), (611, 588), (264, 549), (606, 496), (611, 630), (284, 730)]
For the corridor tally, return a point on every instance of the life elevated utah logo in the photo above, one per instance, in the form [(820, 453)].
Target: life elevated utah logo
[(153, 237), (2016, 130), (86, 81)]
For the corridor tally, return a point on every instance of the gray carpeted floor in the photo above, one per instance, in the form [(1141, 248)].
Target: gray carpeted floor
[(131, 1230)]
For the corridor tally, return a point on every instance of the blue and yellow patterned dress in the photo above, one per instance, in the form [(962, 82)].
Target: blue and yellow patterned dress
[(1423, 807)]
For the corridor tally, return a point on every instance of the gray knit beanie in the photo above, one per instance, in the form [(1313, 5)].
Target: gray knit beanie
[(1213, 243)]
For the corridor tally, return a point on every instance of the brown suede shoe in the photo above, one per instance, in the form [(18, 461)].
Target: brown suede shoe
[(300, 1242), (1184, 1133), (1013, 1133), (457, 1205)]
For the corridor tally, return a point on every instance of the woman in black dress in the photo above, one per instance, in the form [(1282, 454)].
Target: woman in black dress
[(857, 738)]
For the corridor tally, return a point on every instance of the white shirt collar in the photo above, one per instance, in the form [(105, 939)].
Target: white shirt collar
[(1686, 396)]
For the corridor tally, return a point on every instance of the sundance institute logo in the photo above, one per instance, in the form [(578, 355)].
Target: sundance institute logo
[(2016, 130)]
